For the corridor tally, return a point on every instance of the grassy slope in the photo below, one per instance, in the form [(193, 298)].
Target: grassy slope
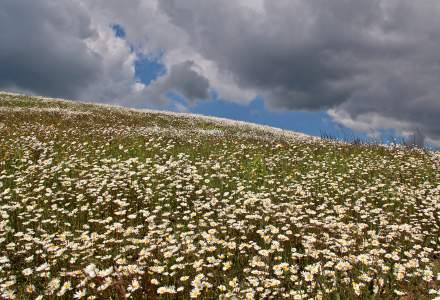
[(121, 203)]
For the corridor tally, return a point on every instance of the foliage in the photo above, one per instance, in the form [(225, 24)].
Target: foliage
[(105, 202)]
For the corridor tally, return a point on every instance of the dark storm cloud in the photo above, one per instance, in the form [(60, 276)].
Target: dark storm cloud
[(358, 57), (42, 47), (183, 80), (189, 83)]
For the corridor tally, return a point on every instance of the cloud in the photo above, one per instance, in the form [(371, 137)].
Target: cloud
[(371, 64), (150, 32), (183, 80), (42, 50), (356, 58), (59, 48), (69, 49)]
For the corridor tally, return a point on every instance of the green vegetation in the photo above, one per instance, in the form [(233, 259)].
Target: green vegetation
[(100, 202)]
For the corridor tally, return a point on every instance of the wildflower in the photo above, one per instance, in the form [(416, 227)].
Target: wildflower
[(399, 293), (227, 265), (43, 267), (105, 272), (134, 285), (356, 288), (30, 288), (166, 290), (428, 275), (195, 293), (27, 271), (222, 288), (80, 294), (363, 258), (233, 283), (343, 266), (308, 277), (90, 270), (53, 285), (64, 288)]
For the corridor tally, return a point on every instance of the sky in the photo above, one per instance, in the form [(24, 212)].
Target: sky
[(343, 67)]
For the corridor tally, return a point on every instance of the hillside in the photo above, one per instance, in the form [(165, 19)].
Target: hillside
[(103, 202)]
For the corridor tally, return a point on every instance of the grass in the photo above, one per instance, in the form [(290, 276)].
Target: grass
[(101, 202)]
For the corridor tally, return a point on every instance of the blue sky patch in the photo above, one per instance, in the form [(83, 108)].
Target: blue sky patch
[(148, 69), (118, 30), (313, 123)]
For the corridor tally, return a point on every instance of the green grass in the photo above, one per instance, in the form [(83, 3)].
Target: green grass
[(243, 211)]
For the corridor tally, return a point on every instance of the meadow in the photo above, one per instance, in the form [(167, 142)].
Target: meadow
[(103, 202)]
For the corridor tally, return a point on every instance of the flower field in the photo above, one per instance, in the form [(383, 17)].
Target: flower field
[(101, 202)]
